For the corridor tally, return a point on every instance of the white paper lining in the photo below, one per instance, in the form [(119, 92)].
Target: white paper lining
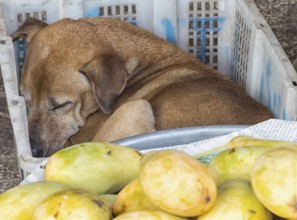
[(272, 129)]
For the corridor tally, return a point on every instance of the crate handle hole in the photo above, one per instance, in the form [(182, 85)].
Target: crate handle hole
[(294, 83), (3, 41), (15, 102)]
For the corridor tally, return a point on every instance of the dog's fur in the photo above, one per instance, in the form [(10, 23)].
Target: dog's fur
[(75, 68)]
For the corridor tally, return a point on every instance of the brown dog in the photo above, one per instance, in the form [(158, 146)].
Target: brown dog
[(75, 68)]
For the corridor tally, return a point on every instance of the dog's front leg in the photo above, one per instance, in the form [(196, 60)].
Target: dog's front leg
[(130, 119)]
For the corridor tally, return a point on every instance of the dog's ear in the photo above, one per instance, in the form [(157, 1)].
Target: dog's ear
[(108, 77), (28, 29)]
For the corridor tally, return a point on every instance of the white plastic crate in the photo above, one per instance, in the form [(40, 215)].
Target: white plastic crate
[(229, 35)]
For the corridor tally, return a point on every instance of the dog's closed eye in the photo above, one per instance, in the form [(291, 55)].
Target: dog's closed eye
[(60, 106)]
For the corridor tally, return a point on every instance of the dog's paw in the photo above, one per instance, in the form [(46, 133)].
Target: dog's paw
[(130, 119)]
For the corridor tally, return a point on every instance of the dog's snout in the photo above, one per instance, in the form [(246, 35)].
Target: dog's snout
[(36, 148), (36, 152)]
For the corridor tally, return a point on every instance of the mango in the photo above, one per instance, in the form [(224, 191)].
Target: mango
[(237, 162), (236, 201), (100, 168), (74, 204), (147, 215), (177, 183), (132, 198), (19, 202), (244, 141), (109, 198), (274, 181), (218, 178)]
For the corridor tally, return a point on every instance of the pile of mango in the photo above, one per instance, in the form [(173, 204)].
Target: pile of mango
[(251, 179)]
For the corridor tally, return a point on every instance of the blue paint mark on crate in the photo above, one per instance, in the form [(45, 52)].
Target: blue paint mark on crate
[(268, 80), (273, 99), (276, 104), (169, 29), (95, 12), (265, 85), (204, 27), (285, 116)]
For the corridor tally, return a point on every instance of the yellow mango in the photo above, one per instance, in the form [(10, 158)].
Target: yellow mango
[(100, 168), (132, 198), (177, 183), (236, 201), (242, 141), (19, 202), (147, 215), (247, 141), (73, 204), (218, 178), (274, 181), (237, 162)]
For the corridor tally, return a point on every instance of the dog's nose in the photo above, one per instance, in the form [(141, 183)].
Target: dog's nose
[(36, 152), (36, 149)]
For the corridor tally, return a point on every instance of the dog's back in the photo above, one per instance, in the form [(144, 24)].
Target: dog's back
[(181, 90)]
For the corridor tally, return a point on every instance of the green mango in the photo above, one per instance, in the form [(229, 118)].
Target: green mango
[(246, 141), (19, 202), (109, 198), (237, 162), (74, 204), (237, 201), (100, 168)]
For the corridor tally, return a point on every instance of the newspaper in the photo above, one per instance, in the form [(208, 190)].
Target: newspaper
[(273, 129)]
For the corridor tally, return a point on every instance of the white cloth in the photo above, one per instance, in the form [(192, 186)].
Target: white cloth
[(272, 129)]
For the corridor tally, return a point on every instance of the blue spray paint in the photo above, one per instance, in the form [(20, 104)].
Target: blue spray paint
[(95, 12), (285, 115), (265, 80), (276, 104), (202, 30), (273, 100), (268, 78), (169, 29)]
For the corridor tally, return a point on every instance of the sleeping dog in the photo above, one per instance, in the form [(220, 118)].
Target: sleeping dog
[(97, 79)]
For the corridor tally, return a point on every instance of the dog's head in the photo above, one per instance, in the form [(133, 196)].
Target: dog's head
[(70, 72)]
